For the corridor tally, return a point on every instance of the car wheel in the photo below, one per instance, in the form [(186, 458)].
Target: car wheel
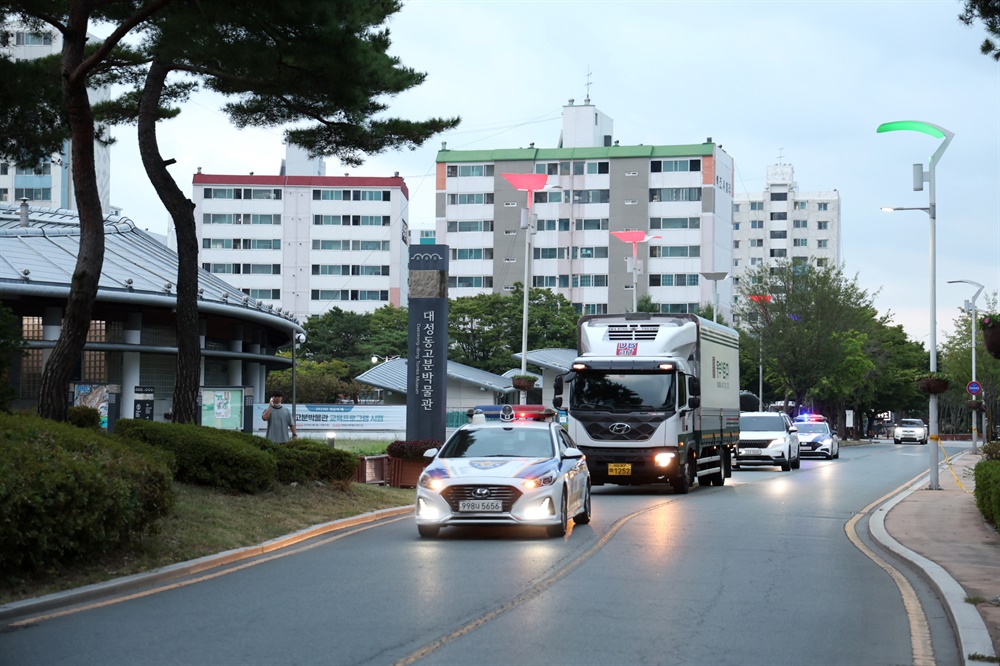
[(786, 465), (682, 482), (797, 463), (583, 517), (428, 531), (829, 456), (896, 441), (560, 529)]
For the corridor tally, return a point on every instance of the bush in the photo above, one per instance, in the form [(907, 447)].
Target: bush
[(991, 451), (411, 449), (70, 494), (987, 474), (307, 460), (207, 456), (84, 417)]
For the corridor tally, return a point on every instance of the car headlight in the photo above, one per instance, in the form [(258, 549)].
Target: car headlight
[(897, 431), (430, 482), (826, 441), (546, 479), (776, 442)]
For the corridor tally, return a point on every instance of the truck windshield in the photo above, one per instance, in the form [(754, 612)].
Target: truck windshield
[(623, 392)]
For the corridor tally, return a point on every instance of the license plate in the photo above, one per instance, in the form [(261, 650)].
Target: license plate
[(749, 452), (480, 505), (619, 469)]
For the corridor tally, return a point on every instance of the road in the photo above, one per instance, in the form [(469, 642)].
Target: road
[(760, 571)]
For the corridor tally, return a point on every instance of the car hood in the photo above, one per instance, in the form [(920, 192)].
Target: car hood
[(763, 434), (813, 436), (506, 468)]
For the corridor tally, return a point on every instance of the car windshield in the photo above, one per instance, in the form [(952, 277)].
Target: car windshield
[(911, 423), (762, 422), (623, 392), (812, 427), (510, 442)]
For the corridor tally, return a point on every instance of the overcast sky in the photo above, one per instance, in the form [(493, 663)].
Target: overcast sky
[(804, 81)]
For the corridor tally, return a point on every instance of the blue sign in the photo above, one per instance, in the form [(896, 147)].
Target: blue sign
[(974, 388)]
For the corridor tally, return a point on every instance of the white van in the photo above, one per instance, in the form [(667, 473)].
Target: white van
[(767, 438)]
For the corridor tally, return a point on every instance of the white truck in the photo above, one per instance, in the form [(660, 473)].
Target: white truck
[(654, 398)]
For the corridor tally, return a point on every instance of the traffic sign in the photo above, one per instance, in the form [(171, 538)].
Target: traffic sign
[(974, 388)]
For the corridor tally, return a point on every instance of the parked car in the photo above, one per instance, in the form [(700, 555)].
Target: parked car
[(520, 469), (816, 438), (910, 430), (767, 438)]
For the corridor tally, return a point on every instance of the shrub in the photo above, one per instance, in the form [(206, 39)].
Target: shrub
[(84, 417), (207, 456), (987, 475), (991, 451), (411, 449), (307, 460), (70, 494)]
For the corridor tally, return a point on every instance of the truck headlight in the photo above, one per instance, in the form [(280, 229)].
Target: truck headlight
[(663, 459)]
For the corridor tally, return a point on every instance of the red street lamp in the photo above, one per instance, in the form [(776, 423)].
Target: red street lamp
[(633, 237)]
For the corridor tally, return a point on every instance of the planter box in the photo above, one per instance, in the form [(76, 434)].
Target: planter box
[(932, 384), (405, 473), (373, 469), (523, 384)]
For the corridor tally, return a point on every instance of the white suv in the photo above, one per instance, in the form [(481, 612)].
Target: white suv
[(910, 430), (767, 438)]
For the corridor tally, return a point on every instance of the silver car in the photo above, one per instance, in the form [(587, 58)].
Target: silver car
[(520, 469)]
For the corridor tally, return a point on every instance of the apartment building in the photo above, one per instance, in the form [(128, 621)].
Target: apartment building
[(680, 196), (306, 243), (50, 184), (782, 223)]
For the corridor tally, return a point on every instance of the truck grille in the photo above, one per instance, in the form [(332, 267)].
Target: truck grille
[(640, 426), (506, 494), (633, 332)]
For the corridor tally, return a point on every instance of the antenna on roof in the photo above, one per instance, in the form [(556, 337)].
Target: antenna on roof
[(587, 100)]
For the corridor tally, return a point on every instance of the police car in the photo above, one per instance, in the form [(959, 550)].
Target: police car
[(815, 437), (510, 465)]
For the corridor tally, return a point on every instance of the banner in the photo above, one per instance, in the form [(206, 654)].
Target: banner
[(222, 408), (339, 417)]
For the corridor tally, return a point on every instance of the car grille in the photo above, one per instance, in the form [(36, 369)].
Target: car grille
[(754, 443), (506, 494)]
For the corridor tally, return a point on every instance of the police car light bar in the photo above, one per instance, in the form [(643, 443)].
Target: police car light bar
[(512, 412)]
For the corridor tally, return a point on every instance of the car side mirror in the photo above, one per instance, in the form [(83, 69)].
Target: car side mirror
[(430, 453), (572, 452), (793, 429)]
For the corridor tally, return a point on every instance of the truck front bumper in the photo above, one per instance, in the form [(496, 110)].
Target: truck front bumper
[(631, 466)]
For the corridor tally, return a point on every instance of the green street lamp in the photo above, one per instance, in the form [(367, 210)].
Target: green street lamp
[(921, 176)]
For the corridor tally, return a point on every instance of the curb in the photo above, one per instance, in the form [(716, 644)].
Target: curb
[(972, 635), (55, 600)]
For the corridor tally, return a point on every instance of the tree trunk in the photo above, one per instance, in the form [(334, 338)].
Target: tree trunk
[(188, 374), (52, 397)]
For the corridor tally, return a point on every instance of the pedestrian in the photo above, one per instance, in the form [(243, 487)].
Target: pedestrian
[(279, 420)]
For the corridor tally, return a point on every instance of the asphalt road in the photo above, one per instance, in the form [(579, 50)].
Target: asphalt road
[(759, 571)]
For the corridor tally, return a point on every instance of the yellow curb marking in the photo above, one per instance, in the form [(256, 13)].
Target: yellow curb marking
[(920, 635), (199, 579), (952, 470)]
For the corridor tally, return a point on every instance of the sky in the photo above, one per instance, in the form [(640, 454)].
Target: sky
[(800, 82)]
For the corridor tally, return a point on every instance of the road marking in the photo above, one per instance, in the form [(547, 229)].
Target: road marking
[(191, 581), (920, 636)]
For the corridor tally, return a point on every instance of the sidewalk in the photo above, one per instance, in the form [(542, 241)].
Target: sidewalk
[(945, 536)]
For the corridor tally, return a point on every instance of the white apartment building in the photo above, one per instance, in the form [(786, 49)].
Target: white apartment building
[(782, 223), (50, 184), (306, 243), (681, 196)]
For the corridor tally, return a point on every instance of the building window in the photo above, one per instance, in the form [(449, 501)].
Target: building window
[(799, 224), (331, 269), (473, 226), (736, 226), (736, 262), (756, 205), (756, 261), (33, 193), (736, 208), (667, 166), (779, 234), (222, 269), (40, 170), (823, 244), (217, 243), (756, 242), (675, 251), (590, 281), (330, 245), (779, 196), (470, 282), (801, 205), (756, 224), (823, 226), (779, 253), (822, 262), (470, 170), (265, 294), (675, 223), (262, 269), (591, 308), (263, 244), (462, 254), (331, 195), (591, 196), (779, 216), (373, 246), (238, 193), (590, 224), (33, 39), (596, 252), (548, 197), (674, 280), (549, 253), (821, 206), (675, 194), (562, 224), (736, 245), (470, 198), (800, 242), (678, 308), (3, 194)]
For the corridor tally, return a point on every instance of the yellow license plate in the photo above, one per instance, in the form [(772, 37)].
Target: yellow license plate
[(619, 469)]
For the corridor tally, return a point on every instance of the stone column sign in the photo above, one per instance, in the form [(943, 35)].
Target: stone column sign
[(427, 343)]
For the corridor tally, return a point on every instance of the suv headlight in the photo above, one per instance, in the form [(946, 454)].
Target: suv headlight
[(777, 442)]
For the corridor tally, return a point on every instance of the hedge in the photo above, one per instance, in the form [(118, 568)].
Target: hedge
[(207, 456), (70, 494), (302, 460), (987, 475)]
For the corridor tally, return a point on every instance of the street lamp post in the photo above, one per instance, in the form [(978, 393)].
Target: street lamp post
[(970, 307), (921, 176), (716, 277), (760, 300), (634, 237), (530, 183)]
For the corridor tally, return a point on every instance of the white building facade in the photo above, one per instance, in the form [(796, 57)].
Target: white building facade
[(680, 196), (305, 244), (51, 184), (783, 223)]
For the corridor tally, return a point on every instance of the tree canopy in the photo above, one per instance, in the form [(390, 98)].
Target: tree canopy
[(987, 11)]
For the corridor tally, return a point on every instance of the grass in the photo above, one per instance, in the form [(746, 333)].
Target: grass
[(975, 600), (975, 656), (207, 521)]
